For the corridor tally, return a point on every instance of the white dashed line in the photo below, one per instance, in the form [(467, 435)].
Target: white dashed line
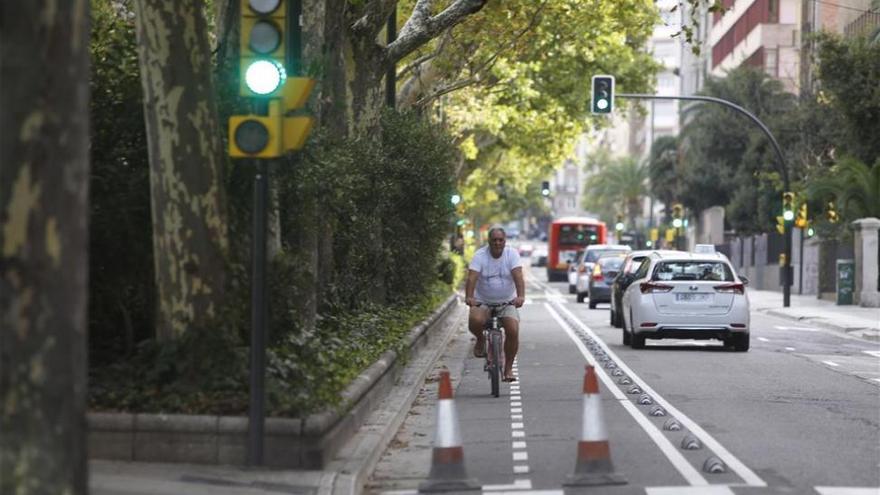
[(831, 363), (762, 339), (789, 348), (518, 434), (520, 469), (520, 456), (518, 445), (873, 353)]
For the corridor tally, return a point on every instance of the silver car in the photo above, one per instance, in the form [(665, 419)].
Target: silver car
[(686, 296), (582, 269)]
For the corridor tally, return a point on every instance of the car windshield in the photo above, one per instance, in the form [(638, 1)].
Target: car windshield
[(594, 255), (716, 271), (610, 262)]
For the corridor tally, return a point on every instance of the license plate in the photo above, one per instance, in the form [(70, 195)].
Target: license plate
[(692, 297)]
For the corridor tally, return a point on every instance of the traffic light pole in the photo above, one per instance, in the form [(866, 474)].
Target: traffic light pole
[(259, 317), (783, 169)]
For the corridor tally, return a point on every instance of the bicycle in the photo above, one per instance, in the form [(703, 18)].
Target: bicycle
[(493, 339)]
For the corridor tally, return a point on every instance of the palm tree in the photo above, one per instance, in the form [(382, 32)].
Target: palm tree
[(854, 186), (618, 186)]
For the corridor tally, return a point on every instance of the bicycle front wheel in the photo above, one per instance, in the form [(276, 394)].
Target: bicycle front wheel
[(496, 366)]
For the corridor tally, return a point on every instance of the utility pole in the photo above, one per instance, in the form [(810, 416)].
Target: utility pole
[(783, 169)]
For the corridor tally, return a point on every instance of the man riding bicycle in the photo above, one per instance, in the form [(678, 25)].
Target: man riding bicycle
[(495, 276)]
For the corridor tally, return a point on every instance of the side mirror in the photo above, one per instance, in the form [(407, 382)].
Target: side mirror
[(744, 279)]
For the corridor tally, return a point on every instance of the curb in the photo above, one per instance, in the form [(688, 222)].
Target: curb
[(866, 333), (356, 462)]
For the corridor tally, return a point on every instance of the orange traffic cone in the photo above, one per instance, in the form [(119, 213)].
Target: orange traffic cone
[(447, 463), (593, 465)]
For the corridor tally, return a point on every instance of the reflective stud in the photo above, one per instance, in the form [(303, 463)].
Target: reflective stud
[(714, 465), (624, 380), (690, 442), (657, 411), (610, 365), (672, 425), (645, 400), (634, 390), (617, 372)]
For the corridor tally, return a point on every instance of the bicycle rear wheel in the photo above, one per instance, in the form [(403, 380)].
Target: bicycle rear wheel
[(496, 366)]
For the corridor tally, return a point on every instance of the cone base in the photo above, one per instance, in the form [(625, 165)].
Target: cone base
[(440, 486), (594, 479)]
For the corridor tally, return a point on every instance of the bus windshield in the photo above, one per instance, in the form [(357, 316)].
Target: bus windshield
[(578, 235)]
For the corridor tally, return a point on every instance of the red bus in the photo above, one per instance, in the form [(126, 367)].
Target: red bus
[(567, 238)]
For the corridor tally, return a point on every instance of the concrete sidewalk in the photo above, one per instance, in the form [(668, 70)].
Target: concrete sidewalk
[(852, 320)]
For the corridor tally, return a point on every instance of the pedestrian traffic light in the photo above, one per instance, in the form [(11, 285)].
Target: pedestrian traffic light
[(831, 213), (262, 48), (677, 215), (545, 188), (801, 221), (788, 206), (602, 94)]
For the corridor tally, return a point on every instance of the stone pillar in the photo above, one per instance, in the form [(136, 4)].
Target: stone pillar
[(867, 261)]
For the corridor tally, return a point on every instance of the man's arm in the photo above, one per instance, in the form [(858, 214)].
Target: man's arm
[(469, 287), (520, 284)]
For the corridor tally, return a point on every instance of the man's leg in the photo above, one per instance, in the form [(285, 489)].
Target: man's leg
[(511, 343), (476, 320)]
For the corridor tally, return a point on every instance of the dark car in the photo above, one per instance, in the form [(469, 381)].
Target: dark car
[(604, 271), (624, 278)]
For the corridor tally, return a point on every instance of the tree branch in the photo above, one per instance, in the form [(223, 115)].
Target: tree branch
[(463, 83), (421, 28), (375, 16)]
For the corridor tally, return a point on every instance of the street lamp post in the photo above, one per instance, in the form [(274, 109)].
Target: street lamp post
[(783, 169)]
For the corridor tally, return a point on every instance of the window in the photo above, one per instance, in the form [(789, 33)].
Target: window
[(702, 271)]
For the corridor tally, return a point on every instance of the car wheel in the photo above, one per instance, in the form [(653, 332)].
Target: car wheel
[(592, 304), (740, 342), (581, 296), (611, 318), (636, 341), (626, 337)]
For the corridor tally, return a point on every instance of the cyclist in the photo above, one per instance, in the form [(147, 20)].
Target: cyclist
[(495, 276)]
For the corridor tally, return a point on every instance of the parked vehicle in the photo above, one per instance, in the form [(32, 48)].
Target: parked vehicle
[(539, 256), (569, 236), (625, 276), (601, 278), (686, 296), (583, 268)]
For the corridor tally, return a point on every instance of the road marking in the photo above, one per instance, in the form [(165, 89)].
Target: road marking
[(873, 353), (516, 403), (520, 469), (800, 329), (762, 339), (520, 456), (693, 476), (516, 426), (519, 445), (846, 490), (789, 348), (514, 410), (516, 416), (518, 434), (831, 363), (876, 379), (525, 484), (688, 490)]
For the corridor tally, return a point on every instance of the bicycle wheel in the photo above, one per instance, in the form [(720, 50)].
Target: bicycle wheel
[(496, 366)]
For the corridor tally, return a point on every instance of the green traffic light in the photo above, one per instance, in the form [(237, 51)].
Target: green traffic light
[(264, 77), (677, 223), (788, 215), (456, 199), (619, 226), (810, 232)]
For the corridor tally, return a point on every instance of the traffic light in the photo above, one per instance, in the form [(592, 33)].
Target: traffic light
[(545, 188), (801, 221), (830, 213), (677, 215), (619, 226), (262, 47), (265, 44), (602, 94), (455, 199), (780, 224), (788, 206)]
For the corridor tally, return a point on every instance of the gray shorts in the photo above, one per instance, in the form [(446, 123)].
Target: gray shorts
[(509, 311)]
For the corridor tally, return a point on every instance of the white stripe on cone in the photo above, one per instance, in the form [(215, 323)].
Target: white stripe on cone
[(593, 425), (447, 433)]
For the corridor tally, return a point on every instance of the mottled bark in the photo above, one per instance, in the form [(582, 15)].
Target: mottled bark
[(44, 169), (186, 163)]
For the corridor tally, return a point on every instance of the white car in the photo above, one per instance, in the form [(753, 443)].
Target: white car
[(686, 296)]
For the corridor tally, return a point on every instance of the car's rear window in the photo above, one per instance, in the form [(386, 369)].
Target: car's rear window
[(593, 255), (716, 271), (611, 262)]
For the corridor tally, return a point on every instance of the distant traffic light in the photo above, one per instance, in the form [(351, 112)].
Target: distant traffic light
[(619, 226), (455, 199), (602, 94), (545, 188), (788, 206), (802, 221), (831, 213), (677, 215)]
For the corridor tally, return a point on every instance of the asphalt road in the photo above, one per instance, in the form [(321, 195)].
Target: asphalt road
[(798, 413)]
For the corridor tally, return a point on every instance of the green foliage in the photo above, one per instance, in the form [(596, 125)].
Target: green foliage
[(616, 188), (725, 157), (121, 296), (849, 74), (665, 183), (853, 186)]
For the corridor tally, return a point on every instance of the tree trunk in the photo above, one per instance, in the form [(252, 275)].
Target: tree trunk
[(44, 179), (186, 163)]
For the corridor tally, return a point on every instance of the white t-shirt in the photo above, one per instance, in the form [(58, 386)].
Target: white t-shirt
[(495, 284)]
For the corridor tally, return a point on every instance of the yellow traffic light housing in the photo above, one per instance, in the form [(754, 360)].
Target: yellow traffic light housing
[(788, 206), (801, 221), (830, 213), (677, 215)]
